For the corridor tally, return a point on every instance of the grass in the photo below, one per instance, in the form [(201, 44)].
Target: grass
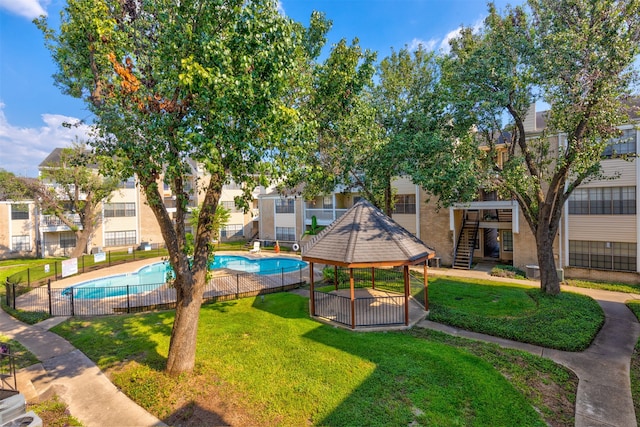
[(53, 413), (605, 286), (266, 362), (566, 322), (23, 357)]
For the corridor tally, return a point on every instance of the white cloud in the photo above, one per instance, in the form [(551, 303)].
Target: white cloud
[(23, 149), (29, 9), (444, 44), (427, 45)]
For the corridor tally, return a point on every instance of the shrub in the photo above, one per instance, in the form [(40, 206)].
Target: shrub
[(508, 271)]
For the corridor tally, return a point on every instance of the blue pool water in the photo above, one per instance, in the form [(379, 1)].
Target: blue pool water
[(153, 276), (258, 266)]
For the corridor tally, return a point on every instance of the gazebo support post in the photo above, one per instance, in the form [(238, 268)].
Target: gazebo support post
[(426, 288), (335, 277), (373, 277), (353, 299), (312, 298), (406, 295)]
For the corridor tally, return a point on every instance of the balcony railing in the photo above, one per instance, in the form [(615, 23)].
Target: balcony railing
[(52, 221), (324, 215)]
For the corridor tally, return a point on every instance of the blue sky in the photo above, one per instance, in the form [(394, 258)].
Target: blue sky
[(32, 109)]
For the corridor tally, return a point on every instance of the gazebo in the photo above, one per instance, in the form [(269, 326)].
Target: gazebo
[(366, 239)]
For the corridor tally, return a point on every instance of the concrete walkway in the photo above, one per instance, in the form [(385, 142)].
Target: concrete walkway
[(604, 390), (67, 372), (603, 396)]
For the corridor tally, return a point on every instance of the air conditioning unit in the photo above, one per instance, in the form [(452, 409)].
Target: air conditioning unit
[(30, 419), (12, 407)]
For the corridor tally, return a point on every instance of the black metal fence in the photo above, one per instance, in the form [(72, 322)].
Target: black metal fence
[(386, 279), (8, 381), (81, 301), (39, 275), (367, 311)]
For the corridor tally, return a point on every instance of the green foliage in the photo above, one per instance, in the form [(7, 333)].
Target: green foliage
[(508, 271), (329, 275), (315, 228), (606, 286), (180, 89), (280, 367), (28, 317), (565, 322), (575, 55), (53, 412)]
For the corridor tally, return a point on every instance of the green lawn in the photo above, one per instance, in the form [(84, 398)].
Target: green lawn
[(522, 313), (278, 367)]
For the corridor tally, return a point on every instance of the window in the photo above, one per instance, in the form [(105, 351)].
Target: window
[(603, 255), (231, 206), (120, 238), (20, 243), (113, 210), (19, 212), (624, 144), (67, 240), (128, 183), (507, 241), (285, 205), (286, 233), (405, 204), (603, 201), (231, 230)]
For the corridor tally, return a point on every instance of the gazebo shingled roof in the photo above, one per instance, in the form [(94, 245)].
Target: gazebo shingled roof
[(364, 237)]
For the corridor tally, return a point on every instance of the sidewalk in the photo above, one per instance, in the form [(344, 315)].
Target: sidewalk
[(604, 390), (603, 397), (68, 373)]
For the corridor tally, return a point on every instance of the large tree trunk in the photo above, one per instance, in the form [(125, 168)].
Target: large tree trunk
[(182, 347), (82, 239), (549, 282)]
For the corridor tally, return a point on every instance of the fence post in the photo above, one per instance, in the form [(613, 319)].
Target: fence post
[(7, 290), (13, 295), (49, 293), (282, 278), (55, 270), (128, 301), (237, 286), (73, 311)]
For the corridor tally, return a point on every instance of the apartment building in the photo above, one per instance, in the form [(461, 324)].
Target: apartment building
[(125, 221), (598, 237)]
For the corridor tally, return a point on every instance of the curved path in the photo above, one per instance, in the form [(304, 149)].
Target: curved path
[(603, 396), (604, 390)]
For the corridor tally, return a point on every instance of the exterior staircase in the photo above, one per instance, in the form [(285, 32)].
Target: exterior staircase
[(463, 256)]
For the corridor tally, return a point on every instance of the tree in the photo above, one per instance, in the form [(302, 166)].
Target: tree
[(343, 122), (220, 219), (71, 185), (170, 83), (576, 55)]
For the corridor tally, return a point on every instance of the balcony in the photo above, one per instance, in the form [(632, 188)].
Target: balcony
[(323, 216), (51, 223)]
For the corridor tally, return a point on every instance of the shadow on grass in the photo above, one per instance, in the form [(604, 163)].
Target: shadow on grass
[(394, 379)]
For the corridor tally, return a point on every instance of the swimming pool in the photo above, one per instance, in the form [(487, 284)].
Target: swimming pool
[(145, 279), (154, 275), (259, 265)]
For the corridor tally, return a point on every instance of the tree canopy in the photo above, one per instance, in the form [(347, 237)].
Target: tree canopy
[(576, 55), (173, 84)]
